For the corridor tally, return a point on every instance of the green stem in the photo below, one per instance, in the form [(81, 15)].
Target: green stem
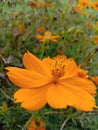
[(64, 123), (30, 119), (90, 53), (43, 50), (69, 117), (8, 97)]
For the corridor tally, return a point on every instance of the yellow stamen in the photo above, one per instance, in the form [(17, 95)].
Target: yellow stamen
[(58, 68)]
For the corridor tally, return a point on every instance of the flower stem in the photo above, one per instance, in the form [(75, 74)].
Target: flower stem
[(90, 54), (8, 97), (64, 123), (43, 50), (30, 119)]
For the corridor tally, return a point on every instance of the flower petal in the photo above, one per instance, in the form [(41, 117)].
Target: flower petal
[(59, 96), (48, 61), (82, 83), (33, 63), (95, 79), (26, 78), (31, 99), (71, 68), (55, 36), (55, 98)]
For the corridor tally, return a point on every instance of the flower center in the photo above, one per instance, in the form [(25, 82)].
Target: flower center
[(58, 67), (47, 36)]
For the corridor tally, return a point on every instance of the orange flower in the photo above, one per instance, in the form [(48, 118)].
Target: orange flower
[(36, 124), (40, 29), (39, 4), (84, 3), (53, 81), (78, 8), (46, 37), (95, 5)]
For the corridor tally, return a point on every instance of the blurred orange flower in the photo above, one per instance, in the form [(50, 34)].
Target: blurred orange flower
[(39, 4), (40, 28), (78, 8), (47, 37), (36, 124), (95, 5), (53, 81), (84, 3)]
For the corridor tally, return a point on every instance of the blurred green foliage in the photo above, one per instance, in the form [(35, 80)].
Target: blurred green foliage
[(76, 33)]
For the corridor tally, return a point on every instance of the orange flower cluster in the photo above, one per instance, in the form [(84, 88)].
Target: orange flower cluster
[(47, 37), (58, 82)]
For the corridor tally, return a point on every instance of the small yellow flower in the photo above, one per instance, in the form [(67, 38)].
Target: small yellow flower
[(56, 81), (47, 37)]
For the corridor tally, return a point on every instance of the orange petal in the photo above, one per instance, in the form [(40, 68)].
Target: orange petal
[(55, 98), (56, 36), (48, 61), (26, 78), (32, 62), (95, 79), (81, 83), (31, 99), (71, 68), (60, 96), (54, 40), (39, 37)]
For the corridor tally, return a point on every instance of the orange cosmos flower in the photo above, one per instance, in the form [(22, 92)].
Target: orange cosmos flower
[(46, 37), (84, 3), (53, 81), (78, 8), (36, 124), (95, 5)]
